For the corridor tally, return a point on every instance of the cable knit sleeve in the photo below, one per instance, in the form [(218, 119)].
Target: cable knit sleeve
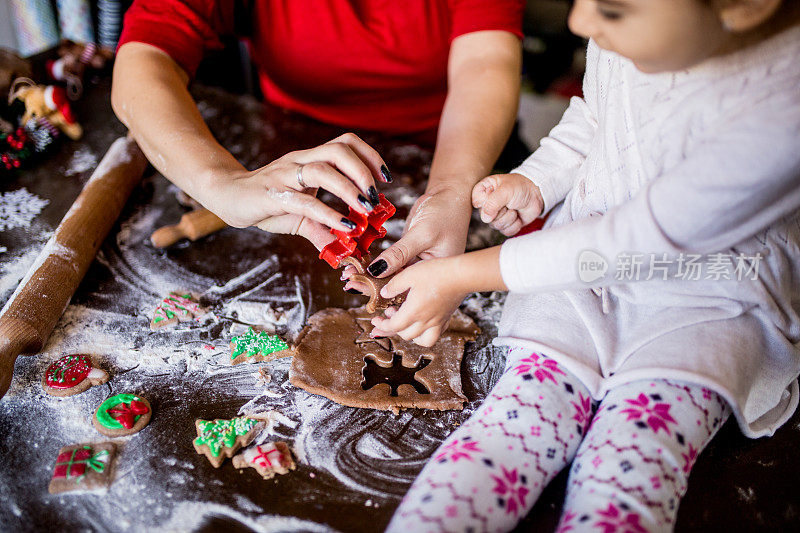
[(741, 177), (552, 167)]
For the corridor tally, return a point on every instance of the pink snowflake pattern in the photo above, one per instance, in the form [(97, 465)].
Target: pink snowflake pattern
[(597, 461), (689, 459), (657, 416), (656, 482), (536, 431), (583, 410), (541, 370), (614, 520), (509, 486), (458, 450), (451, 511), (565, 524)]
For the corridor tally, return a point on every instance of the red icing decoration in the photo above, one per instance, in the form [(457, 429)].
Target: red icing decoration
[(126, 414), (68, 371), (263, 460), (357, 242), (72, 463)]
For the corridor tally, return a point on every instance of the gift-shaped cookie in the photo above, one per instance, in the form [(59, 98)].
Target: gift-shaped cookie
[(269, 459), (82, 467), (256, 347), (222, 438), (72, 374), (177, 306)]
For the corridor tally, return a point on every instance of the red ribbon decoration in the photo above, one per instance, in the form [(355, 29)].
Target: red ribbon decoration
[(126, 414)]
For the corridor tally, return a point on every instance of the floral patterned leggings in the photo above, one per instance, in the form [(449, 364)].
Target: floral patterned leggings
[(630, 459)]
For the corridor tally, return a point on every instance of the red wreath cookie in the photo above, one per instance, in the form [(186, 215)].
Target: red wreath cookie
[(72, 374), (121, 415)]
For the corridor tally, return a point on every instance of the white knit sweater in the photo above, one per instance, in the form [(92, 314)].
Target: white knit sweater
[(687, 186)]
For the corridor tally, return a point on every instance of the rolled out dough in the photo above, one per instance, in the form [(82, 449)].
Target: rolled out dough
[(331, 355)]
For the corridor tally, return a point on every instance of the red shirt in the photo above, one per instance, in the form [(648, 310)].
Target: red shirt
[(362, 64)]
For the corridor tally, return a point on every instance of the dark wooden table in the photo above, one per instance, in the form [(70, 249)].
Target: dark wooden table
[(354, 465)]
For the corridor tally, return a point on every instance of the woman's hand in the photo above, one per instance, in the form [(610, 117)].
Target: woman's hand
[(507, 202), (435, 293), (274, 199), (436, 227)]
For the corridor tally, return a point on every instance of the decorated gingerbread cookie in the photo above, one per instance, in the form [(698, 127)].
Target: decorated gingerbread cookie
[(269, 459), (121, 415), (82, 467), (177, 306), (256, 347), (222, 438), (72, 374)]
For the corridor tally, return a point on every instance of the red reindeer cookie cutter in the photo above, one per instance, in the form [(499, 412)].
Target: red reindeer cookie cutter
[(357, 242)]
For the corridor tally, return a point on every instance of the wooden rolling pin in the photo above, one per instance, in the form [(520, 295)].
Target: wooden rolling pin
[(193, 225), (31, 313)]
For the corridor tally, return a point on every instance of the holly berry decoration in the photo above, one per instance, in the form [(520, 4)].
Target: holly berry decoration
[(15, 149), (72, 374)]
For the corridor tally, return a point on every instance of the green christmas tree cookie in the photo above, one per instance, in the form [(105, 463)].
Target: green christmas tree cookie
[(257, 347)]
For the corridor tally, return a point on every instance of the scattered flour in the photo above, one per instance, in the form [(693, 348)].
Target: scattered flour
[(14, 269), (189, 516), (82, 160), (18, 208)]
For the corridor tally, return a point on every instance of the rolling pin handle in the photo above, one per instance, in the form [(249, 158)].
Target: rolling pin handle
[(16, 338), (193, 225), (166, 236)]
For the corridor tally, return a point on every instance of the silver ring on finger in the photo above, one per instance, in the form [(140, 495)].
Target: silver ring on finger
[(300, 177)]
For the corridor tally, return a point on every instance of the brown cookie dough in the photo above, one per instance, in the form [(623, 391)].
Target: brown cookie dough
[(371, 286), (269, 459), (222, 438), (82, 467), (364, 321), (328, 361), (72, 374), (121, 415)]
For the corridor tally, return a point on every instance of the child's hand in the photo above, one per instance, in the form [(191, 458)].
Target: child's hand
[(434, 295), (507, 202)]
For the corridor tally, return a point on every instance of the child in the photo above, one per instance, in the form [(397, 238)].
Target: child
[(664, 285)]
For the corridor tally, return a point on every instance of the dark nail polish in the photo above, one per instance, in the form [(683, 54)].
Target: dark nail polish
[(349, 224), (378, 336), (378, 267), (365, 203), (373, 195), (354, 291), (387, 176)]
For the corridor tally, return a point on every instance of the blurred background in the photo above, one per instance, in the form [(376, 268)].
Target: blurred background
[(553, 58)]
